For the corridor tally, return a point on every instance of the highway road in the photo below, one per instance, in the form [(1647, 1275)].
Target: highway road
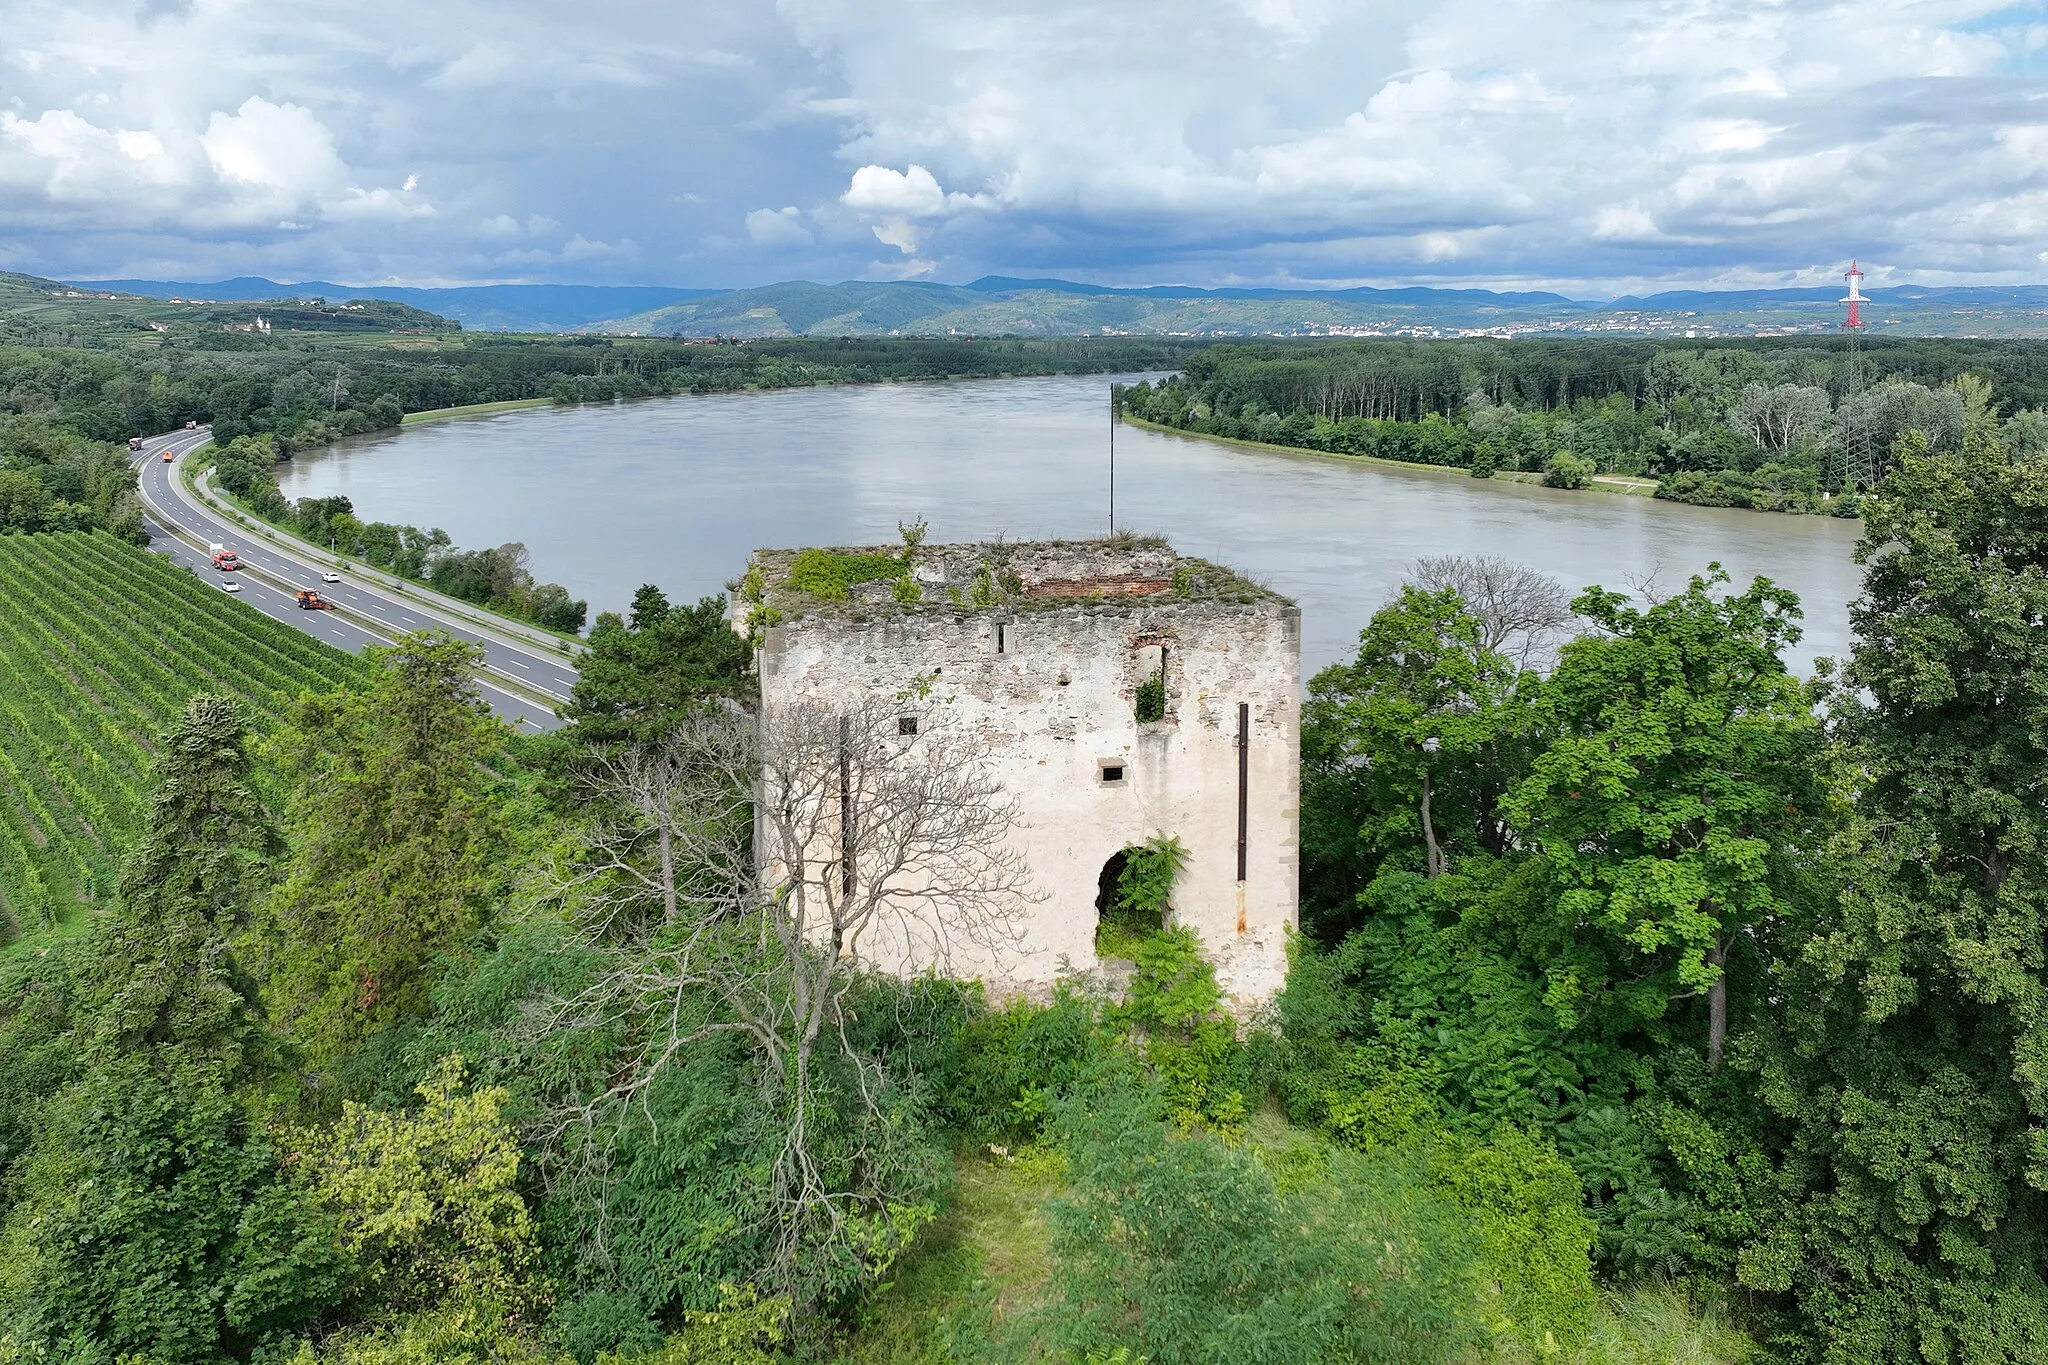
[(368, 614)]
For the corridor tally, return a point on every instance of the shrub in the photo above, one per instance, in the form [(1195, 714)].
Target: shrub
[(828, 575), (1567, 471), (1151, 701), (1186, 1250), (1174, 1010), (1142, 896), (1018, 1062)]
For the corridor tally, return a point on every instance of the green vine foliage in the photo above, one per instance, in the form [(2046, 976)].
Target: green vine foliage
[(828, 575), (1151, 701)]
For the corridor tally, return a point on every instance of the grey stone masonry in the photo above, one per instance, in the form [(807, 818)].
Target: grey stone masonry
[(1040, 649)]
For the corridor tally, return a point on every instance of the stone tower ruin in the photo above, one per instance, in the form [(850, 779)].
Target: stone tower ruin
[(1044, 651)]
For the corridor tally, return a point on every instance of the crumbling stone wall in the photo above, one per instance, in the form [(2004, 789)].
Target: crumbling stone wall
[(1047, 682)]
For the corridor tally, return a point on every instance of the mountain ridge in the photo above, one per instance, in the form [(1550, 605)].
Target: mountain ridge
[(1001, 305)]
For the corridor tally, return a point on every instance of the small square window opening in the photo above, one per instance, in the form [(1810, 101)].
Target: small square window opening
[(906, 725), (1112, 772)]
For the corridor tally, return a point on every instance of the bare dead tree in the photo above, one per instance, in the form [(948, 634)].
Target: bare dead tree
[(671, 820), (1521, 612), (873, 845)]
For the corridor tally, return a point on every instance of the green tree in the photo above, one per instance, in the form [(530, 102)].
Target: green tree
[(1681, 794), (639, 673), (427, 1204), (398, 839), (166, 976), (1416, 737), (1912, 1066), (151, 1221)]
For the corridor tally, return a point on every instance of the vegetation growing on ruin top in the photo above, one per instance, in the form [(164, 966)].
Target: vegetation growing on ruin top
[(1015, 575)]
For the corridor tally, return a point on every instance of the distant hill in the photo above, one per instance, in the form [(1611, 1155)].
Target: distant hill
[(36, 309), (1003, 305), (515, 307), (996, 305)]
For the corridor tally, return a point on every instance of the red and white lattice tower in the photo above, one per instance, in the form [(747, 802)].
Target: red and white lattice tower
[(1861, 462)]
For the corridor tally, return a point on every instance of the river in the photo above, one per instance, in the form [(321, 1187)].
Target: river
[(677, 492)]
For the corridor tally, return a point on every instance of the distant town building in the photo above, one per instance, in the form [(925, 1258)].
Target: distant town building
[(1047, 652)]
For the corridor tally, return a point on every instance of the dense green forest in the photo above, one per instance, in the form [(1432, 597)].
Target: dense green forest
[(1773, 425), (66, 412), (1634, 971), (306, 390)]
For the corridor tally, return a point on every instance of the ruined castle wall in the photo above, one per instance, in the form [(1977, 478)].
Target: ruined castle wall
[(1049, 695)]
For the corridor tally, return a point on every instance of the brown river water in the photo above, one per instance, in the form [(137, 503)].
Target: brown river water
[(677, 491)]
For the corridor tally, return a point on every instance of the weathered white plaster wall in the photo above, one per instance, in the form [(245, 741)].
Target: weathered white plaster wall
[(1057, 704)]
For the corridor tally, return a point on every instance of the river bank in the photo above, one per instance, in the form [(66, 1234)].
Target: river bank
[(1604, 483), (412, 419)]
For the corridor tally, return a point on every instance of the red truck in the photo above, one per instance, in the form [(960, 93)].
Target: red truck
[(223, 558)]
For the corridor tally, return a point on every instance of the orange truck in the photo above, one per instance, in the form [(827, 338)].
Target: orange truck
[(309, 600), (167, 455)]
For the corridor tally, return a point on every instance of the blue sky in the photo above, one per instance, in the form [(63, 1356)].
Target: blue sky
[(1590, 145)]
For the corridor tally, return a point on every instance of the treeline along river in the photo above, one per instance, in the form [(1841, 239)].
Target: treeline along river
[(677, 491)]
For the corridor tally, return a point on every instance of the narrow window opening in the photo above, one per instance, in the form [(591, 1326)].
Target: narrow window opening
[(1002, 638), (1149, 702), (906, 725)]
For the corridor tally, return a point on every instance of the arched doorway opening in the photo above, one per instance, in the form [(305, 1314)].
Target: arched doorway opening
[(1119, 927)]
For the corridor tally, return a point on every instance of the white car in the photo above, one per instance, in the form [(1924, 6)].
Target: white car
[(330, 577), (230, 585)]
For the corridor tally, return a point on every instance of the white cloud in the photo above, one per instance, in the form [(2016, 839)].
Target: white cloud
[(899, 206), (1624, 223), (138, 146), (915, 193), (279, 148), (778, 227), (581, 248)]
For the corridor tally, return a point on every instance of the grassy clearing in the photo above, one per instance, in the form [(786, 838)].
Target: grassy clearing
[(473, 410), (101, 644), (988, 1259)]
